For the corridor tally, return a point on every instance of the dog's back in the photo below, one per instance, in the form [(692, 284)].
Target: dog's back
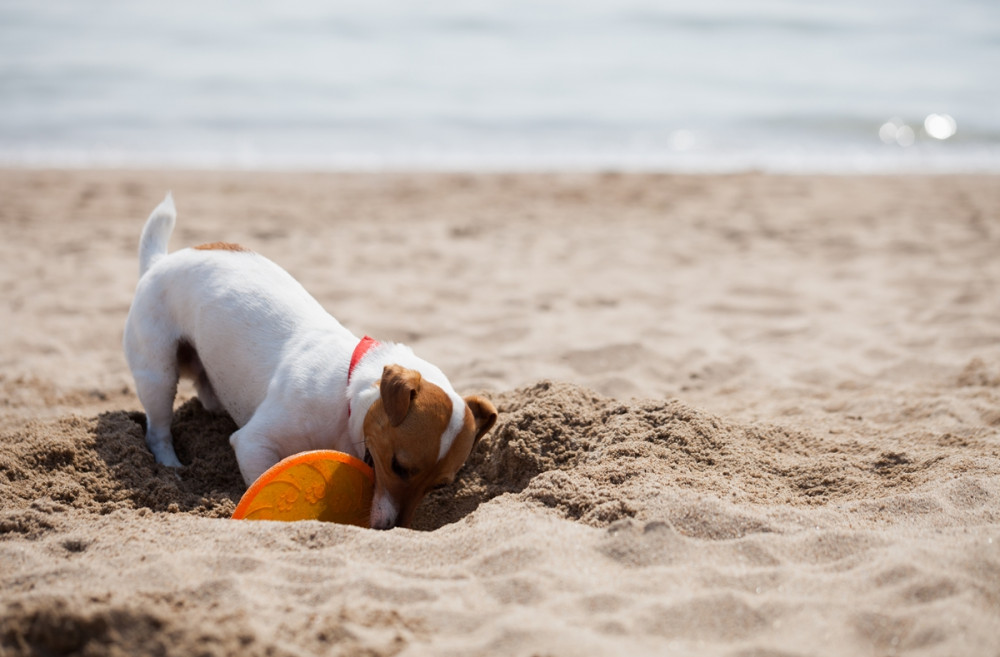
[(232, 310)]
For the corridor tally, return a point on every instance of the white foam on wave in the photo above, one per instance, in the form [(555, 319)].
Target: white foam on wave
[(872, 160)]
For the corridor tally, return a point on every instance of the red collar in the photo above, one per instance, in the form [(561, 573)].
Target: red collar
[(364, 345)]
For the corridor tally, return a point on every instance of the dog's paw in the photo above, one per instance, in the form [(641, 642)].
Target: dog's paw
[(171, 461)]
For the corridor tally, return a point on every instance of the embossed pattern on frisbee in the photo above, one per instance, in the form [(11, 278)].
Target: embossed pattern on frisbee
[(318, 485)]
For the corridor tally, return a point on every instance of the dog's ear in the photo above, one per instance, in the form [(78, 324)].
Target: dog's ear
[(484, 413), (398, 388)]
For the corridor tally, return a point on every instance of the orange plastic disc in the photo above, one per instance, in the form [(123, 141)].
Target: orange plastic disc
[(319, 485)]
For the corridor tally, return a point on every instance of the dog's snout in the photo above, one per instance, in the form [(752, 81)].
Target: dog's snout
[(385, 510), (383, 523)]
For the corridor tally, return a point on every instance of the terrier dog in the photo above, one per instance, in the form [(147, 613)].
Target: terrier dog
[(261, 348)]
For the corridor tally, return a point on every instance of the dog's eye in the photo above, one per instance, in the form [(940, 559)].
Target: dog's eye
[(400, 470)]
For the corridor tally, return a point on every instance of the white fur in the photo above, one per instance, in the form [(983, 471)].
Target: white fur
[(276, 360), (156, 234)]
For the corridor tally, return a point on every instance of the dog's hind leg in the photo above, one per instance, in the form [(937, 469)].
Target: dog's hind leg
[(156, 392), (155, 372), (206, 394), (190, 366)]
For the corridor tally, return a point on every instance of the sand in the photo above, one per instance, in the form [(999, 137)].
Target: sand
[(740, 415)]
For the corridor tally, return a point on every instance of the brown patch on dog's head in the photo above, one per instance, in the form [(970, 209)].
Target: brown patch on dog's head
[(222, 246), (404, 430)]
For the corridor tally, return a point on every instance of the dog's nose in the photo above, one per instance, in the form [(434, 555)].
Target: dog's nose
[(383, 523), (385, 511)]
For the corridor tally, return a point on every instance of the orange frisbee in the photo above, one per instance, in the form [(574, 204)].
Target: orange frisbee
[(318, 485)]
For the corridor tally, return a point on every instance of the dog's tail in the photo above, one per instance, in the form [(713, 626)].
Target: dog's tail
[(156, 234)]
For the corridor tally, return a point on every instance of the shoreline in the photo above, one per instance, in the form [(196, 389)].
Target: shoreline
[(926, 159)]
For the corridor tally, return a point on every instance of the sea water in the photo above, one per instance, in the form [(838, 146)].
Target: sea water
[(716, 85)]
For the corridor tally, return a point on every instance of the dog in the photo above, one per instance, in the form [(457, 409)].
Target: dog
[(261, 348)]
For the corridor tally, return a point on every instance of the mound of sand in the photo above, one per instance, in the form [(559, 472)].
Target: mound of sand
[(591, 459)]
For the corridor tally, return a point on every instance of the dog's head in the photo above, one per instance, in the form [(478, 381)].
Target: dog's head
[(418, 436)]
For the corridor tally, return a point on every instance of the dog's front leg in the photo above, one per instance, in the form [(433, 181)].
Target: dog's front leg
[(255, 449)]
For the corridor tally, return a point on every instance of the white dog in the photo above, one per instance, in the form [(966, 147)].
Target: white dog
[(259, 347)]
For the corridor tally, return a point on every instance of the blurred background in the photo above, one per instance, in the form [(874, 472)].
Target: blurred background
[(713, 85)]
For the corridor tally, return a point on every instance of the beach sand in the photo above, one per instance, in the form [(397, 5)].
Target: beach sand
[(739, 415)]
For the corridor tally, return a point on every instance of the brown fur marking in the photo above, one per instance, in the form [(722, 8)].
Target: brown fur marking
[(221, 246)]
